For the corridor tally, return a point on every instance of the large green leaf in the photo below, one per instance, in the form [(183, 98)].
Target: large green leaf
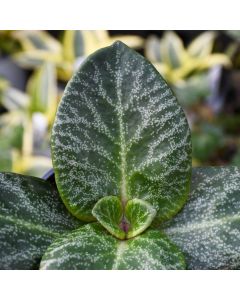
[(119, 131), (92, 247), (31, 217), (208, 228)]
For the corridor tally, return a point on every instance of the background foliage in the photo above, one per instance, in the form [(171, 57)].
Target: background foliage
[(201, 67)]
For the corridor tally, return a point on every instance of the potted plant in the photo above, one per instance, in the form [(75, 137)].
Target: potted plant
[(126, 196)]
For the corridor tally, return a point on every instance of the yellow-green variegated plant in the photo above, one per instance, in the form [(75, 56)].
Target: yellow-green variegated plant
[(39, 47), (24, 127), (185, 68)]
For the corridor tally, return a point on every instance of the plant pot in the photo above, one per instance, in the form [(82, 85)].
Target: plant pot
[(49, 176)]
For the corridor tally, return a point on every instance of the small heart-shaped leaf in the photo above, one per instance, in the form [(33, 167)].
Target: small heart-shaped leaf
[(127, 222), (108, 211), (91, 247), (140, 215)]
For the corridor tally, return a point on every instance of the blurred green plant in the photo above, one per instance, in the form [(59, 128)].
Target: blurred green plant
[(66, 54), (27, 117), (8, 44), (24, 127), (206, 140), (185, 68)]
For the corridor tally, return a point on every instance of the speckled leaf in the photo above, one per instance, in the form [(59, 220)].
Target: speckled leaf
[(31, 217), (92, 248), (124, 223), (120, 131), (109, 212), (208, 228), (140, 215)]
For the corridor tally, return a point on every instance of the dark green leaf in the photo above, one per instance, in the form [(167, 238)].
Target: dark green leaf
[(91, 247), (31, 217), (120, 131), (208, 228)]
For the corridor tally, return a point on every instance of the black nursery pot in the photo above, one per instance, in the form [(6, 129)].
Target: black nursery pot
[(49, 176)]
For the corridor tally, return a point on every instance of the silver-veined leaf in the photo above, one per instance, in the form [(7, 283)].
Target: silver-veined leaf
[(92, 248), (124, 222), (31, 217), (109, 212), (208, 228), (140, 215), (119, 131)]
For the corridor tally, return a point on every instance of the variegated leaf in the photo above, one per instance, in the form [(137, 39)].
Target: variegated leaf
[(202, 45), (140, 215), (31, 217), (37, 47), (42, 88), (14, 99), (208, 228), (124, 222), (73, 45), (31, 40), (93, 248), (109, 212), (119, 131), (172, 50)]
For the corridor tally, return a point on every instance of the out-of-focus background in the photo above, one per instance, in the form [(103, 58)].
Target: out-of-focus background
[(202, 67)]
